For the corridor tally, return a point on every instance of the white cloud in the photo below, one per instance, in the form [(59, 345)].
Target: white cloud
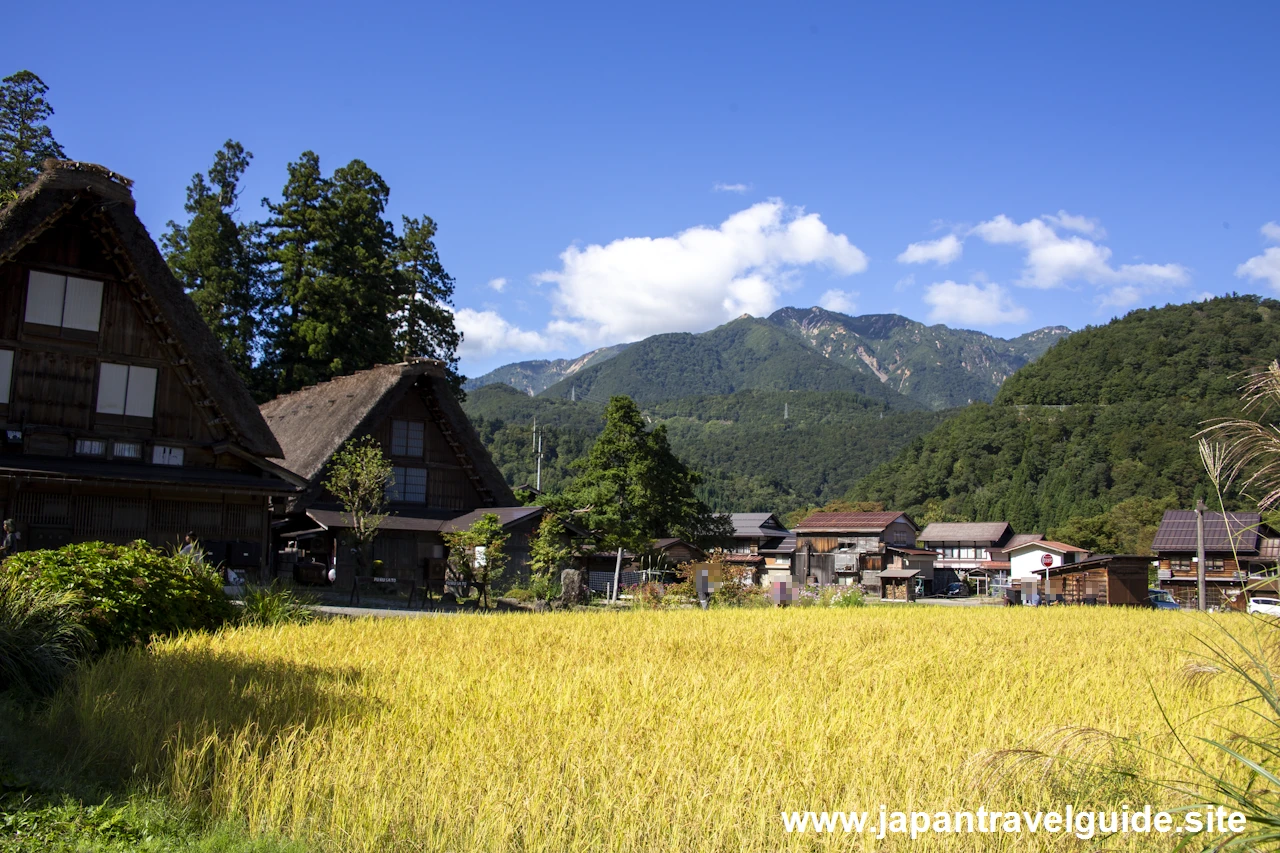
[(840, 300), (941, 251), (485, 333), (1079, 224), (1053, 260), (729, 188), (639, 286), (971, 304), (905, 283), (498, 284), (1264, 267)]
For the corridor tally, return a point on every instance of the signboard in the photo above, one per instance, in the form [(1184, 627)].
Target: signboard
[(1046, 560)]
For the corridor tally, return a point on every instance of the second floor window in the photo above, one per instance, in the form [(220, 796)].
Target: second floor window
[(410, 485), (407, 438), (64, 301), (126, 389)]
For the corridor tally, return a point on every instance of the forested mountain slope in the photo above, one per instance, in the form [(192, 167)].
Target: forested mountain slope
[(935, 365), (1106, 415), (759, 450), (748, 354), (536, 376)]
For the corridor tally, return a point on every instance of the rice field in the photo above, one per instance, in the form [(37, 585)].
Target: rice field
[(638, 731)]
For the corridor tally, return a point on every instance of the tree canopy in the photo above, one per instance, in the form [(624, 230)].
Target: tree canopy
[(631, 488), (25, 140)]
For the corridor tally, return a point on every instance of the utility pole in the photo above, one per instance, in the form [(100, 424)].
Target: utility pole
[(539, 483), (786, 411), (1200, 552), (573, 393)]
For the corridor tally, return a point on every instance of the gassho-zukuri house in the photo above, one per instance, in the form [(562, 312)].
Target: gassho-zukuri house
[(444, 479), (122, 418)]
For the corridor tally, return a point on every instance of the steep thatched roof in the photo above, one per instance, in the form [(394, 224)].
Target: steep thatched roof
[(312, 424), (65, 187)]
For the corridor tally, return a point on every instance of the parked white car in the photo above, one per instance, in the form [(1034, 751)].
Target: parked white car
[(1265, 606)]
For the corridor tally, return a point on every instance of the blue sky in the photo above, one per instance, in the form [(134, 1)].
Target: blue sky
[(601, 172)]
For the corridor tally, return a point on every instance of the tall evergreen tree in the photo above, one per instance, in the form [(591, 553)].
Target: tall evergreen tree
[(634, 489), (215, 258), (426, 322), (350, 292), (25, 140), (293, 234)]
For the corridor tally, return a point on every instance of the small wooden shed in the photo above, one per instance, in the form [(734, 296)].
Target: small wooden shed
[(1119, 580), (898, 584)]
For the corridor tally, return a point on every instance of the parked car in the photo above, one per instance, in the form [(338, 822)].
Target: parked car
[(1264, 606), (955, 589), (1160, 599)]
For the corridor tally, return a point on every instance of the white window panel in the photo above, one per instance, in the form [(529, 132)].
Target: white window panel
[(126, 450), (415, 439), (399, 438), (113, 384), (90, 447), (162, 455), (413, 486), (6, 374), (83, 306), (140, 399), (45, 292)]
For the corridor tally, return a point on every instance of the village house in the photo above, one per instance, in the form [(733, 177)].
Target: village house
[(1240, 551), (849, 547), (967, 550), (443, 478), (761, 542), (122, 418)]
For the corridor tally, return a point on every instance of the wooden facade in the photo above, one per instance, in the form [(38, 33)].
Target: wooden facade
[(849, 547), (122, 418), (442, 472), (1114, 581)]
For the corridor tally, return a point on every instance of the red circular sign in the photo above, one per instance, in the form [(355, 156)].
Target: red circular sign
[(1046, 560)]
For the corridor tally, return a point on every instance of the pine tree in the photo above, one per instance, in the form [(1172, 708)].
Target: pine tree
[(215, 258), (25, 140)]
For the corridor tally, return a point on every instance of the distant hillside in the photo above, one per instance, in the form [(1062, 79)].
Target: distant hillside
[(533, 377), (748, 354), (759, 450), (937, 366), (1106, 415)]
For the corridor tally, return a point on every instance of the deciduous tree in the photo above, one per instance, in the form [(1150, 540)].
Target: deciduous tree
[(358, 477)]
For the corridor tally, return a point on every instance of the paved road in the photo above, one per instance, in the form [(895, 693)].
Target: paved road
[(378, 613)]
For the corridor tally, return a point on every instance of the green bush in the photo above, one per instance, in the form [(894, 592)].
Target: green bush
[(520, 594), (41, 637), (128, 593), (275, 605)]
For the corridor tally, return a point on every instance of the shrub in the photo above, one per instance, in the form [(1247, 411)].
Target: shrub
[(849, 596), (520, 594), (275, 605), (41, 637), (127, 593)]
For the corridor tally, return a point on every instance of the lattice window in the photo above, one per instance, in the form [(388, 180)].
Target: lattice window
[(447, 489), (242, 521), (43, 509)]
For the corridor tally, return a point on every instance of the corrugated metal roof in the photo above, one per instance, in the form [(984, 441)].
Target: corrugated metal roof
[(898, 574), (1177, 532), (752, 524), (979, 533), (850, 522)]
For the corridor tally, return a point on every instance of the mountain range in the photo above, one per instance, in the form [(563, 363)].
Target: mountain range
[(881, 356)]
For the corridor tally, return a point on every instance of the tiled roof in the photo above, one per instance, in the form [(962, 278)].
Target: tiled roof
[(1178, 532), (987, 532), (747, 524), (849, 522)]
